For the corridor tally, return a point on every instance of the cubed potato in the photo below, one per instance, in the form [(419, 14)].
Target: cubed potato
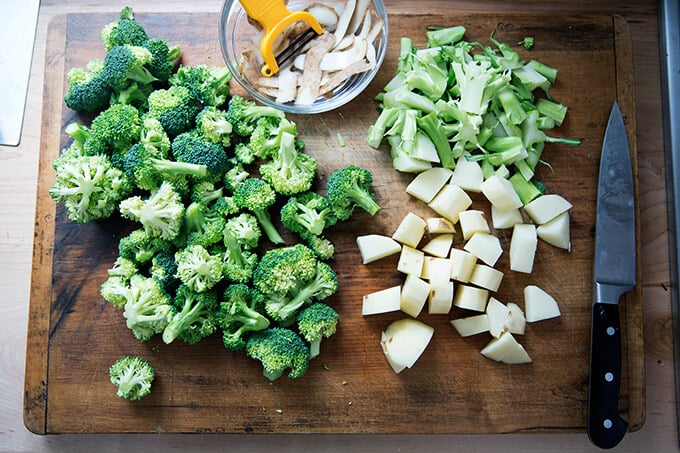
[(486, 277), (500, 193), (462, 265), (471, 298), (440, 225), (404, 341), (546, 207), (471, 325), (439, 245), (502, 220), (440, 300), (523, 247), (468, 175), (516, 321), (498, 314), (414, 294), (556, 232), (428, 183), (410, 231), (472, 221), (436, 269), (506, 349), (373, 247), (382, 301), (411, 261), (485, 246), (539, 305), (450, 202)]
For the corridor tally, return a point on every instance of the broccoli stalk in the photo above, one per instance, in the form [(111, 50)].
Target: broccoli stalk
[(316, 322), (256, 196), (279, 349), (239, 314), (133, 377), (193, 316), (349, 187)]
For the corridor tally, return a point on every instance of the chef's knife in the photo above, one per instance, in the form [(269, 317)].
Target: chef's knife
[(614, 275)]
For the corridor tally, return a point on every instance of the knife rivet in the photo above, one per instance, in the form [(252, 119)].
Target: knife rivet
[(607, 423), (609, 377), (610, 331)]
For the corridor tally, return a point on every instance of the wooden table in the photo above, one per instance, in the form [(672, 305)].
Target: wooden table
[(18, 195)]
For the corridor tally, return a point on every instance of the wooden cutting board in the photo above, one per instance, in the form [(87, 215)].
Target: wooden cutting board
[(74, 335)]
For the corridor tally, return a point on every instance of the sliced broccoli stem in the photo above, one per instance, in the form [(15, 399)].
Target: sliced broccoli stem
[(432, 126), (267, 226)]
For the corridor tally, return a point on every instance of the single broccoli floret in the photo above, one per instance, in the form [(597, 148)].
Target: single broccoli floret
[(115, 288), (226, 206), (126, 64), (279, 349), (124, 30), (256, 196), (124, 268), (212, 123), (133, 377), (174, 108), (244, 153), (265, 140), (283, 269), (205, 192), (235, 175), (290, 172), (89, 187), (244, 114), (148, 308), (154, 138), (308, 212), (239, 314), (117, 127), (162, 58), (88, 90), (148, 172), (197, 268), (164, 269), (192, 147), (209, 85), (349, 187), (316, 322), (246, 229), (140, 247), (238, 263), (202, 225), (193, 316), (160, 214), (322, 247), (135, 95), (84, 139)]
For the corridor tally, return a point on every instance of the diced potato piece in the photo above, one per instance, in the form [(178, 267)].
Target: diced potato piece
[(404, 341), (462, 265), (439, 245), (440, 225), (441, 297), (516, 321), (468, 175), (556, 232), (471, 298), (506, 349), (472, 325), (546, 207), (472, 221), (500, 193), (450, 202), (428, 183), (523, 247), (498, 314), (410, 231), (414, 294), (383, 301), (411, 261), (486, 277), (539, 305), (484, 246), (505, 219), (373, 247), (436, 269)]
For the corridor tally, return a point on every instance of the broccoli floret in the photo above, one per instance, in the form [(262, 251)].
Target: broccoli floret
[(89, 187), (193, 316), (192, 147), (349, 187), (265, 140), (244, 114), (124, 268), (164, 269), (135, 95), (205, 192), (160, 214), (209, 85), (308, 212), (239, 262), (140, 247), (226, 206), (174, 108), (116, 128), (235, 175), (244, 153), (239, 314), (316, 322), (148, 172), (290, 172), (322, 247), (126, 64), (246, 229), (279, 349), (124, 30), (115, 288), (162, 58), (88, 90), (83, 139), (256, 196), (148, 308), (213, 125), (202, 225), (133, 377), (197, 268), (154, 138)]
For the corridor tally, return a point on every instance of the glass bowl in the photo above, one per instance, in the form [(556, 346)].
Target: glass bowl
[(238, 34)]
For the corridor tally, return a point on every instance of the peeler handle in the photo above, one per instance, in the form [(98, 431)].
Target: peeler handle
[(275, 18)]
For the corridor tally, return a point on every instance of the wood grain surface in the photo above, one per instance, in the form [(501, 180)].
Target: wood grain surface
[(74, 335)]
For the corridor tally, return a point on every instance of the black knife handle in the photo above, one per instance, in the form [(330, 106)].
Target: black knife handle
[(605, 427)]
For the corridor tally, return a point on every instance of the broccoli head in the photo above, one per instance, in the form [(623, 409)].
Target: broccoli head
[(193, 316), (192, 147), (244, 114), (213, 125), (282, 269), (265, 140), (89, 187), (197, 268), (148, 308), (205, 192), (239, 314), (279, 349), (289, 172), (209, 85), (175, 108), (88, 90), (164, 269), (133, 377), (115, 290), (316, 322), (245, 228), (125, 64), (124, 30), (116, 128), (202, 225), (256, 195), (162, 58), (154, 138), (161, 213), (349, 187), (308, 212)]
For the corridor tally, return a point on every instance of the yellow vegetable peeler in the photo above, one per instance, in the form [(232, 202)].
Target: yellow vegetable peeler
[(275, 17)]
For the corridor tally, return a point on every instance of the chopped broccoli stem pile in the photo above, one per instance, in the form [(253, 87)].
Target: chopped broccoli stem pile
[(227, 234)]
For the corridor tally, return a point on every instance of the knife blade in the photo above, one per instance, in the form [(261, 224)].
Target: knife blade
[(614, 275)]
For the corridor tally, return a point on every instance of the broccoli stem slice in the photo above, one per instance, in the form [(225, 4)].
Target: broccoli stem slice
[(432, 126)]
